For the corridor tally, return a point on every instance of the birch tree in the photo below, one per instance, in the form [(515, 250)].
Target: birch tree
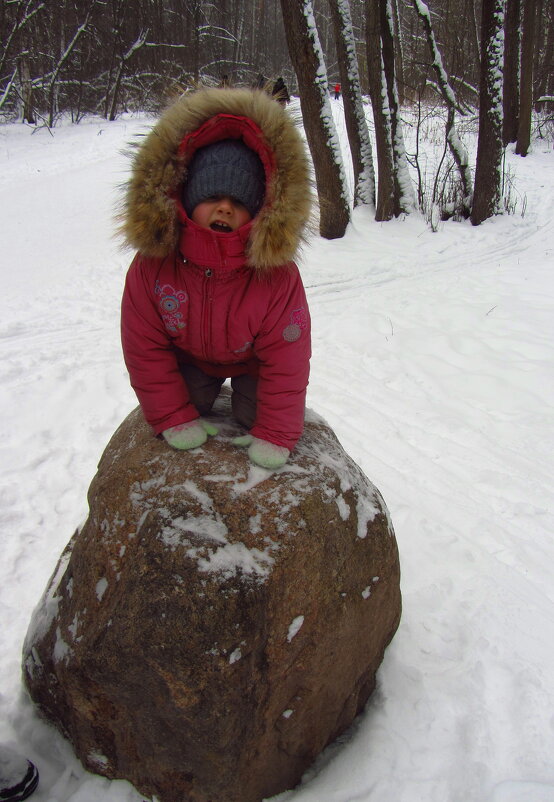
[(354, 114), (307, 59), (395, 193), (488, 170)]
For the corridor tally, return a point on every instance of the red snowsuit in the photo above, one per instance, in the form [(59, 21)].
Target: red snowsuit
[(202, 304)]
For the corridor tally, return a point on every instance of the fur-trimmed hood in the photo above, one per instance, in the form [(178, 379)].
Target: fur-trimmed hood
[(153, 213)]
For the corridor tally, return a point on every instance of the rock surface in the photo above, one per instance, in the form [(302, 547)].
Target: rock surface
[(214, 626)]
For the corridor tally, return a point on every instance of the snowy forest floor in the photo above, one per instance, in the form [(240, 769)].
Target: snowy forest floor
[(433, 362)]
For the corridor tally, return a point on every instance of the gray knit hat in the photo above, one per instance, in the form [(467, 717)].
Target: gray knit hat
[(228, 167)]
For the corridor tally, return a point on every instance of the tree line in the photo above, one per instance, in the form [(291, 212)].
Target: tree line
[(506, 29), (106, 57)]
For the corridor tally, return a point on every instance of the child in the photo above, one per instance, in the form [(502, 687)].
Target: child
[(216, 205)]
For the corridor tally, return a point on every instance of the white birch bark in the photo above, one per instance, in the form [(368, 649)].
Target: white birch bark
[(358, 134)]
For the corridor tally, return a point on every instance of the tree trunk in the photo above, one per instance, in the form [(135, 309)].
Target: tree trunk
[(540, 36), (401, 80), (545, 77), (356, 125), (26, 91), (475, 29), (135, 47), (488, 171), (307, 59), (196, 42), (526, 94), (512, 30), (64, 55), (404, 200), (112, 114), (385, 209)]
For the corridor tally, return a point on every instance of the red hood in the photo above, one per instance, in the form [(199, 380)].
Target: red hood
[(151, 217), (201, 245), (229, 126)]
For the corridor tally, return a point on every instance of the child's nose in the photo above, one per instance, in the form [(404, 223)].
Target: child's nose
[(225, 205)]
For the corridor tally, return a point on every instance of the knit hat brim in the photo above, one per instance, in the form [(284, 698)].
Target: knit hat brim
[(228, 168)]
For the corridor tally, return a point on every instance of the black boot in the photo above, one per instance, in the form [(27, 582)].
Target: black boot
[(18, 776)]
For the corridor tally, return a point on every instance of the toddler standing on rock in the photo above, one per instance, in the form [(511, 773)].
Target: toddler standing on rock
[(216, 205)]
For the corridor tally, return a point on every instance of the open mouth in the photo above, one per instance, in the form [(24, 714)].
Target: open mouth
[(223, 227)]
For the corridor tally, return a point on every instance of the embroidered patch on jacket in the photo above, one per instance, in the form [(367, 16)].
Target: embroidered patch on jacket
[(298, 322), (170, 306)]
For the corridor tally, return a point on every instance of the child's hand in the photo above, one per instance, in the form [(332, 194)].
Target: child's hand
[(189, 435), (263, 453)]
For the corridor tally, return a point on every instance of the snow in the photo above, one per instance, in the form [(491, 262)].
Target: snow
[(232, 557), (433, 362), (235, 655), (101, 588), (294, 627), (215, 554)]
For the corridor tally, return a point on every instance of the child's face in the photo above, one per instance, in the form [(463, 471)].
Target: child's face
[(221, 213)]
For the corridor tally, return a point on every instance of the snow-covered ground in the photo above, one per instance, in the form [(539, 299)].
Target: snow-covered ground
[(434, 363)]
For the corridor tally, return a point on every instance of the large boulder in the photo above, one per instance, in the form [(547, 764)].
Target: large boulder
[(214, 625)]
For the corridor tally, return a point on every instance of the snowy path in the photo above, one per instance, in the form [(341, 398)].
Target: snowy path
[(434, 363)]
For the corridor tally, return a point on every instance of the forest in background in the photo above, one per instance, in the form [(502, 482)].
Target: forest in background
[(486, 60), (105, 57)]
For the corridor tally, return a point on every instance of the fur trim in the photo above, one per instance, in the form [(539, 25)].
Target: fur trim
[(149, 217)]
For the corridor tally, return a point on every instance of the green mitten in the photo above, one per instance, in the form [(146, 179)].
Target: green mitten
[(189, 435), (263, 453)]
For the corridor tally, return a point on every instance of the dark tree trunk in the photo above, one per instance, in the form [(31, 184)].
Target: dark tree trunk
[(400, 79), (488, 171), (384, 98), (526, 94), (385, 208), (512, 36), (541, 32), (545, 76), (305, 54), (387, 45), (27, 91)]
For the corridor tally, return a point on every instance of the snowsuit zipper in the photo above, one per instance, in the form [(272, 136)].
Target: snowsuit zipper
[(206, 313)]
